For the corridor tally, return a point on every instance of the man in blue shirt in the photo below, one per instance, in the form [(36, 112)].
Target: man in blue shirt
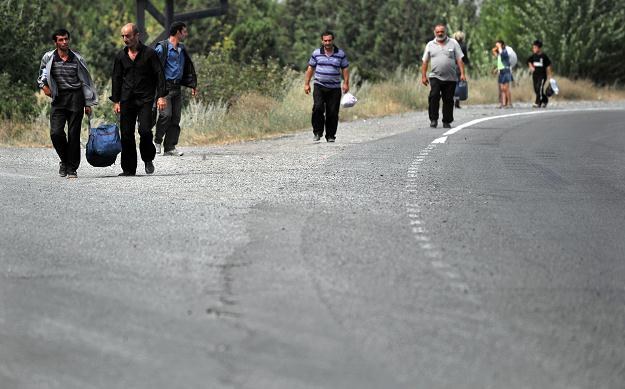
[(327, 63), (179, 70)]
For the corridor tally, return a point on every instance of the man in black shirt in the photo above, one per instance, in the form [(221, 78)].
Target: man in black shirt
[(137, 78), (540, 66)]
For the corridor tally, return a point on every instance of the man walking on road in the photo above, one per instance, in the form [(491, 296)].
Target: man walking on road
[(137, 78), (63, 76), (446, 57), (179, 70), (327, 63), (540, 66)]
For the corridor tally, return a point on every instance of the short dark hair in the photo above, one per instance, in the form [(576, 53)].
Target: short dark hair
[(326, 33), (59, 32), (176, 27), (537, 43), (502, 42)]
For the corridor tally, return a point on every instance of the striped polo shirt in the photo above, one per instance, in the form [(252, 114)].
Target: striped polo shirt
[(328, 68), (65, 73)]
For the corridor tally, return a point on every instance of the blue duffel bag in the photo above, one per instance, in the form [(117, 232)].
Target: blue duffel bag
[(103, 145), (462, 90)]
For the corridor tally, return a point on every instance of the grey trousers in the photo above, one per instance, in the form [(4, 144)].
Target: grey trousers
[(168, 123)]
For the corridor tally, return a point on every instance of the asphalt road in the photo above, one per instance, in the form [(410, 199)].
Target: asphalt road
[(493, 258)]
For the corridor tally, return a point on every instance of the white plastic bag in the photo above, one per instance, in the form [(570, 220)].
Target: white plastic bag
[(512, 55), (554, 86), (348, 100)]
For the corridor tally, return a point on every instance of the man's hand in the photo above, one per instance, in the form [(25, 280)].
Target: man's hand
[(87, 110), (463, 77), (424, 80), (46, 91), (161, 103), (193, 92), (345, 87), (307, 88), (117, 108)]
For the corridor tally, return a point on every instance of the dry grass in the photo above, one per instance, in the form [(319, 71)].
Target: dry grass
[(254, 116), (24, 134), (484, 90)]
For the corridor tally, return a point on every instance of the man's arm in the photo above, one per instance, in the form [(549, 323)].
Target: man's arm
[(424, 71), (345, 80), (116, 84), (42, 80), (189, 71), (309, 73), (461, 67), (161, 85)]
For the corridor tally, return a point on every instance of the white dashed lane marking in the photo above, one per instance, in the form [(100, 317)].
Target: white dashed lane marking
[(414, 207)]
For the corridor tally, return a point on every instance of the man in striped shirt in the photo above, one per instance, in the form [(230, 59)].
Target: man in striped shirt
[(63, 76), (328, 63)]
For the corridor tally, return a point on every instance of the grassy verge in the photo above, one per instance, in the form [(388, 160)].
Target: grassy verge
[(254, 116)]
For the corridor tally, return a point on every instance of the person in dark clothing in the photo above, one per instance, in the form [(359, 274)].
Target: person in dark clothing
[(459, 37), (63, 76), (328, 64), (540, 66), (137, 78), (179, 71)]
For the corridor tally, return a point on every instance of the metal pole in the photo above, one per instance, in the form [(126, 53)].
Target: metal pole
[(169, 14), (141, 15)]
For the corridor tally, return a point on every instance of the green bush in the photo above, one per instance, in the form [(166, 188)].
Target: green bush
[(17, 100), (221, 79)]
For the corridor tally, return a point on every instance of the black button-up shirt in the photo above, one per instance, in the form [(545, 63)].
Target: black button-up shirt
[(139, 80)]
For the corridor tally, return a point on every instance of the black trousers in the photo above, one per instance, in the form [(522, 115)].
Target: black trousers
[(539, 90), (131, 111), (445, 90), (325, 112), (168, 123), (67, 147)]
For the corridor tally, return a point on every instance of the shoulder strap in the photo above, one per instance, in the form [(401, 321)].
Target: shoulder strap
[(164, 46)]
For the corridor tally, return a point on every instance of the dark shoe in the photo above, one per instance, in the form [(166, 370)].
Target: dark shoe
[(72, 174), (174, 153), (62, 169), (331, 140), (544, 105), (434, 123), (457, 104), (316, 138), (535, 105), (126, 174), (446, 125), (149, 167)]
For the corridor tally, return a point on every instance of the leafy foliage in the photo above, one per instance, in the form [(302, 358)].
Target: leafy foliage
[(19, 59), (250, 45), (583, 38), (223, 79)]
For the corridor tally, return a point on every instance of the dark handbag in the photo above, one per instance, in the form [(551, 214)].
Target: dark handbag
[(103, 145), (462, 90)]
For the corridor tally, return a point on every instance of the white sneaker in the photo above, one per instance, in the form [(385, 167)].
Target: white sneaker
[(158, 148)]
